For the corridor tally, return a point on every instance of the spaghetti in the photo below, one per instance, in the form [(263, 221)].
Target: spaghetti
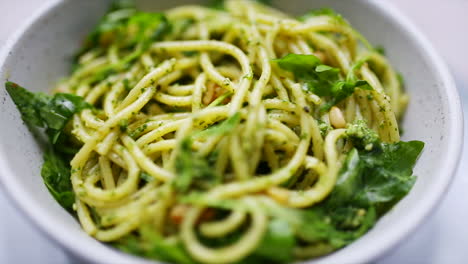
[(208, 134)]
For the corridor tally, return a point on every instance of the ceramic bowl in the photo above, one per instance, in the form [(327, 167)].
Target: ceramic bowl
[(40, 53)]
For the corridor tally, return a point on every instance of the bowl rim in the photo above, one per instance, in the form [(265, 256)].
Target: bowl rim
[(49, 225)]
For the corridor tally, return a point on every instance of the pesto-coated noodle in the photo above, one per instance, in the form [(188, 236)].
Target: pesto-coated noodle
[(228, 130)]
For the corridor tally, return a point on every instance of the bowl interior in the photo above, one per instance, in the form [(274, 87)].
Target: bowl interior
[(42, 54)]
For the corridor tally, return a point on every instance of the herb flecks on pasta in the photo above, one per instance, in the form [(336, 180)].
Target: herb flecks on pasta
[(235, 134)]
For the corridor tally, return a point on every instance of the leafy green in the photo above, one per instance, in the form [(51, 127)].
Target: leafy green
[(278, 242), (125, 28), (122, 4), (56, 175), (150, 244), (148, 27), (41, 110), (401, 79), (110, 25), (348, 182), (320, 225), (391, 168), (139, 30), (322, 79), (192, 170), (52, 113), (378, 176), (380, 49)]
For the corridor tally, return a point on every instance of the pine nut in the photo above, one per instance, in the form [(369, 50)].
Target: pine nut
[(337, 119)]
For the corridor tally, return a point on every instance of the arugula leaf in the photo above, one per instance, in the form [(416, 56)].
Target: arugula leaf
[(122, 4), (41, 110), (27, 103), (56, 175), (148, 27), (127, 27), (391, 168), (123, 27), (216, 4), (380, 49), (195, 171), (278, 242), (377, 176), (192, 170), (318, 225), (401, 79), (108, 28), (348, 182), (322, 79), (150, 244), (52, 113)]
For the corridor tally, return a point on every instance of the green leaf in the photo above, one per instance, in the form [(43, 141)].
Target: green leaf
[(304, 66), (123, 27), (278, 242), (401, 79), (348, 182), (51, 113), (164, 249), (387, 174), (41, 110), (380, 49), (56, 175), (322, 79), (148, 27), (192, 170), (318, 225), (375, 174), (109, 28), (122, 4), (27, 103), (150, 244)]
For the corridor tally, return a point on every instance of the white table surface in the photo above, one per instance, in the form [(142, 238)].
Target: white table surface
[(442, 239)]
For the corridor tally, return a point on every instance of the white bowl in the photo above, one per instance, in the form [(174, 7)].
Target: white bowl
[(40, 53)]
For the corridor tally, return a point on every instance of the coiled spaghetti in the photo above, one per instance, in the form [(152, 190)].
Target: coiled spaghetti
[(216, 67)]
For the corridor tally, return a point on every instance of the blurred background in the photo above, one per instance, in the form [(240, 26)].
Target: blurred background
[(442, 239)]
